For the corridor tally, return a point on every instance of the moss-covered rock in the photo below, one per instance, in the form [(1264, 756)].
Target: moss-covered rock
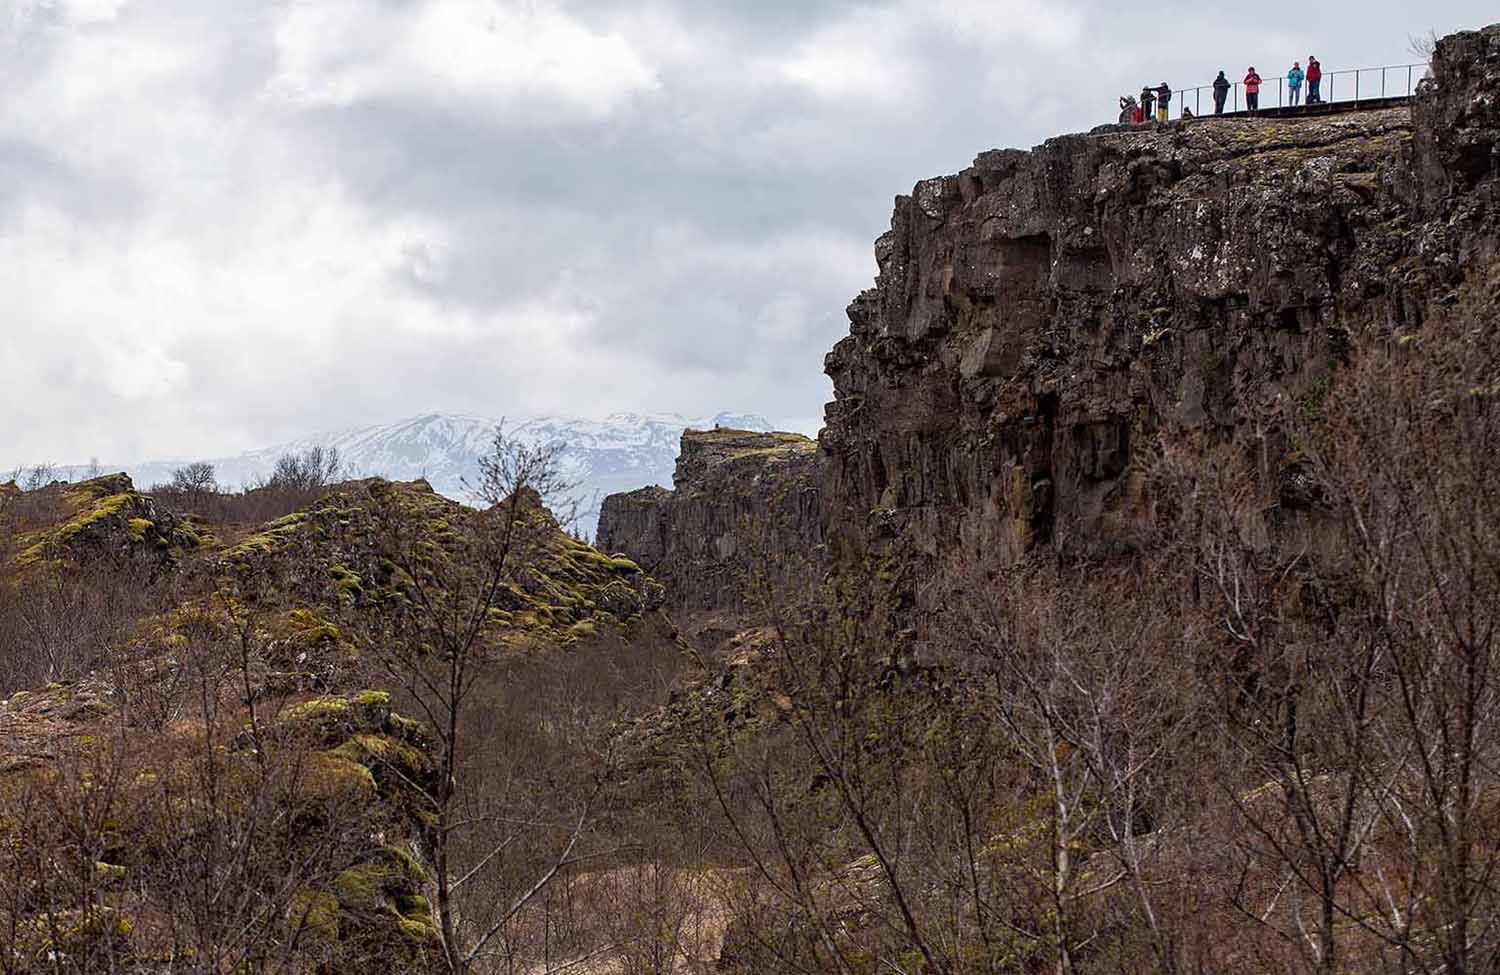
[(333, 561), (314, 916), (103, 517)]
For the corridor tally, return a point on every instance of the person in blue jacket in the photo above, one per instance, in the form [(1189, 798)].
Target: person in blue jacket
[(1294, 84)]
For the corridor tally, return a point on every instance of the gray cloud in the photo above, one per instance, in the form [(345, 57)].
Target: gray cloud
[(227, 224)]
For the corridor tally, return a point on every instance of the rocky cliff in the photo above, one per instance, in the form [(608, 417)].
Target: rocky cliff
[(744, 506), (1043, 317)]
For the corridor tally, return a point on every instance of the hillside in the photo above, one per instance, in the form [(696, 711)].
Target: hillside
[(227, 705)]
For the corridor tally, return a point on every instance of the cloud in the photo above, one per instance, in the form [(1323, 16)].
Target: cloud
[(527, 61), (875, 49), (226, 224)]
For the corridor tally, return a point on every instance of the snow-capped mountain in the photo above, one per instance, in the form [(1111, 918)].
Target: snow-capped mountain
[(620, 453)]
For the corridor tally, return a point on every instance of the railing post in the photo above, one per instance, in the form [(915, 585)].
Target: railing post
[(1409, 90), (1382, 82), (1236, 96), (1356, 86), (1279, 102)]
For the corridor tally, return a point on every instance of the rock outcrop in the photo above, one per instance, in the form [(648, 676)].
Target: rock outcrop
[(1042, 317), (105, 517), (745, 507)]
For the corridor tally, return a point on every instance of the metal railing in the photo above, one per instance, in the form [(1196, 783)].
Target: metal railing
[(1337, 87)]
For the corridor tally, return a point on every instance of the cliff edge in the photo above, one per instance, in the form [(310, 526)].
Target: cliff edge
[(1042, 318)]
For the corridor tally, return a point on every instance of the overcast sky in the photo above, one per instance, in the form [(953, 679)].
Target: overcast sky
[(225, 223)]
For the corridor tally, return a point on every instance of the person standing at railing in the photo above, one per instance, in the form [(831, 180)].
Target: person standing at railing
[(1148, 103), (1314, 81), (1252, 89), (1164, 102), (1221, 93), (1294, 84)]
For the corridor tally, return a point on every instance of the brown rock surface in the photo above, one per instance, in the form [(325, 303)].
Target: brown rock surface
[(745, 505), (1042, 318)]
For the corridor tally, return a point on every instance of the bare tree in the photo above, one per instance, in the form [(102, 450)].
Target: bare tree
[(1293, 691), (36, 477), (310, 471), (195, 481), (444, 643), (1423, 46), (1409, 454)]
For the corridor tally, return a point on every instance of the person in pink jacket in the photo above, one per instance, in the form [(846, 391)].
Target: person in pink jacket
[(1252, 89)]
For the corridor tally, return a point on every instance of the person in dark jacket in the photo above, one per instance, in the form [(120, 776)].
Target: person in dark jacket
[(1252, 90), (1314, 81), (1164, 102), (1148, 103), (1221, 93)]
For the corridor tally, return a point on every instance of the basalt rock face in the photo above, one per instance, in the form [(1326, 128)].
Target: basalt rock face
[(1457, 144), (1042, 318), (745, 507)]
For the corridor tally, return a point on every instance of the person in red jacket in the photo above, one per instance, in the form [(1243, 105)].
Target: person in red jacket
[(1314, 80), (1252, 89)]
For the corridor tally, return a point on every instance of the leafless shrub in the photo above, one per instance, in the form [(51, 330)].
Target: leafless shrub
[(35, 477), (310, 471), (1423, 46), (196, 479)]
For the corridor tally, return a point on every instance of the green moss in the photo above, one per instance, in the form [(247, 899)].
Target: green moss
[(75, 931), (332, 775), (91, 507), (377, 883), (347, 584), (408, 728), (270, 538), (361, 887), (320, 710), (311, 627), (336, 718), (314, 915), (1312, 407), (109, 874), (420, 929), (103, 509), (589, 556), (372, 749), (372, 699)]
